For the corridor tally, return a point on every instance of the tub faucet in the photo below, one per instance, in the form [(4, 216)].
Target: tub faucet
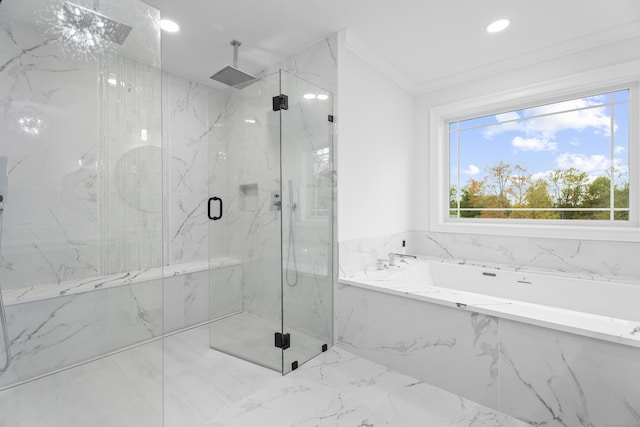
[(393, 256)]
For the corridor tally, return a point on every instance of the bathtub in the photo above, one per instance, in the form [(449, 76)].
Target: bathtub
[(548, 348), (603, 309), (55, 326)]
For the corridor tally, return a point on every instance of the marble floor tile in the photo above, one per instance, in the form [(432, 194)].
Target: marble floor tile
[(338, 388), (189, 384), (94, 394)]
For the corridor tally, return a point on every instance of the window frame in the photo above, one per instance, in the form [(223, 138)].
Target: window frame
[(625, 76)]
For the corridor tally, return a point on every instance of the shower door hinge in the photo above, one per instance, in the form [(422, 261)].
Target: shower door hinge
[(283, 341), (280, 102), (330, 118)]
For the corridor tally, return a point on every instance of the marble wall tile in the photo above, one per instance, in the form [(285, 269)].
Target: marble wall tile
[(362, 254), (318, 64), (188, 131), (173, 307), (558, 379), (586, 258), (226, 291), (48, 120), (134, 313), (452, 349), (486, 248), (196, 297), (55, 333)]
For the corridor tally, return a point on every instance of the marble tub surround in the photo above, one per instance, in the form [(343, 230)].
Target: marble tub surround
[(529, 303), (452, 349), (528, 370), (585, 258)]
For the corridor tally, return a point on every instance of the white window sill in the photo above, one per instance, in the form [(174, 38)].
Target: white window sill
[(552, 229)]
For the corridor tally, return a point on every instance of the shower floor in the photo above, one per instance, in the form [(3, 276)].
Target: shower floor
[(204, 387), (252, 338)]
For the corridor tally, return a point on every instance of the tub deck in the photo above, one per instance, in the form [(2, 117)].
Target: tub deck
[(402, 282)]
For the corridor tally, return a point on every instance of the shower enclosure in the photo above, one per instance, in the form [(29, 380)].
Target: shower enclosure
[(271, 184), (110, 249)]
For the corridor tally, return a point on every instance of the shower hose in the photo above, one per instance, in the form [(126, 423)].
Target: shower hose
[(3, 317), (291, 253)]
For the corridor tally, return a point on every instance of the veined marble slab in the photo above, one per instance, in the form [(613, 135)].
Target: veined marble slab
[(586, 324), (78, 286)]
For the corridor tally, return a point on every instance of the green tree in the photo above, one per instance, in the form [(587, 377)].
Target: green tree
[(598, 196), (537, 196), (569, 187), (520, 182), (498, 180)]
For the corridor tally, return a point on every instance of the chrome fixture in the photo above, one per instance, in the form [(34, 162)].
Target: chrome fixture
[(232, 76), (402, 257)]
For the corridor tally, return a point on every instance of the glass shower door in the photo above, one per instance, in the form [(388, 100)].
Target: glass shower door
[(81, 250), (307, 220), (244, 231)]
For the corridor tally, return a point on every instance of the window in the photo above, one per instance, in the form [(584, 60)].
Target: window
[(565, 160), (557, 159), (320, 183)]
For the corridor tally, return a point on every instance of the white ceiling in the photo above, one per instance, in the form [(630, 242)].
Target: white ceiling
[(420, 44)]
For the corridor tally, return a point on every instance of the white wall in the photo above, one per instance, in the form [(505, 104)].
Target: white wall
[(374, 150)]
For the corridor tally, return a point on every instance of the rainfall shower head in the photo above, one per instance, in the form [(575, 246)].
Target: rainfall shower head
[(232, 76), (91, 22)]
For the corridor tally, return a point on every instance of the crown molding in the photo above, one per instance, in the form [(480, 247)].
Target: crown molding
[(376, 61), (591, 41)]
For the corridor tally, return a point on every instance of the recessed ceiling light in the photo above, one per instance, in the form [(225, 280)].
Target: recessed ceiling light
[(310, 96), (169, 26), (249, 121), (323, 97), (497, 26)]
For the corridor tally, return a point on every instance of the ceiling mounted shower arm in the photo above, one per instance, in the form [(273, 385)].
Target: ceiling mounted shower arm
[(236, 44)]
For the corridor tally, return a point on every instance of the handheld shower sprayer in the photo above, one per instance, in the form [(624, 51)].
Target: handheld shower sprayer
[(4, 178), (291, 275)]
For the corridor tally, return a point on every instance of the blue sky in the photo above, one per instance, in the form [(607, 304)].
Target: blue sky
[(579, 137)]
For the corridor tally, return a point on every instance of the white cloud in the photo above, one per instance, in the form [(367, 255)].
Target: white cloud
[(471, 170), (547, 125), (534, 144), (619, 149), (539, 175), (595, 164)]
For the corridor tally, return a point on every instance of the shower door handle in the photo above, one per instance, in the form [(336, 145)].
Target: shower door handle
[(215, 199)]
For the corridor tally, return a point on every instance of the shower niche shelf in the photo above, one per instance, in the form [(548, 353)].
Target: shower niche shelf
[(249, 197)]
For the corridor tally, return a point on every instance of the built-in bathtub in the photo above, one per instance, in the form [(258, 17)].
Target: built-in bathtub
[(550, 349), (54, 326)]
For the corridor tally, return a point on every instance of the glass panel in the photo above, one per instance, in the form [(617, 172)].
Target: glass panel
[(561, 160), (81, 270), (245, 175), (307, 216), (569, 105), (621, 95)]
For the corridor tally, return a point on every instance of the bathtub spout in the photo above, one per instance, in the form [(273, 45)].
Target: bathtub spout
[(395, 256)]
